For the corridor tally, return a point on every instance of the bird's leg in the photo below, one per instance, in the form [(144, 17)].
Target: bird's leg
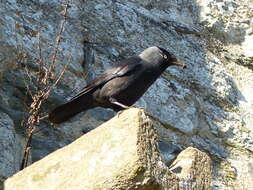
[(114, 101)]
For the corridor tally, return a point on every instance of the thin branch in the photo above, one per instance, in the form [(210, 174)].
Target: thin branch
[(40, 61), (58, 78), (27, 150), (58, 39), (43, 89), (28, 88)]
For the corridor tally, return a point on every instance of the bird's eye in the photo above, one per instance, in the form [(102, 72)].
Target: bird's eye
[(165, 56)]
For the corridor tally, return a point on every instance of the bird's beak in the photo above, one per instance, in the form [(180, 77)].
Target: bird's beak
[(180, 63)]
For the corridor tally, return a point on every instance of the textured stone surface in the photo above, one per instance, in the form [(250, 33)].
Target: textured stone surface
[(104, 158), (9, 148), (120, 154), (210, 102), (193, 168)]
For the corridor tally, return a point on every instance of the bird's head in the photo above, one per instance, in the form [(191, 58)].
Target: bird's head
[(158, 55)]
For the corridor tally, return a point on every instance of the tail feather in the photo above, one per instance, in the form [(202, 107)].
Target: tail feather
[(70, 109)]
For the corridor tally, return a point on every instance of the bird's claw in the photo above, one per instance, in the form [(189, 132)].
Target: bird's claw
[(128, 107), (119, 112), (142, 108)]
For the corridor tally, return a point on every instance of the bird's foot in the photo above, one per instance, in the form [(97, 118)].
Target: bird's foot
[(142, 108), (118, 113), (128, 107), (114, 101)]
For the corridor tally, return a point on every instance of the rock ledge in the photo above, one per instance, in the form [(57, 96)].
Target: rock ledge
[(122, 153)]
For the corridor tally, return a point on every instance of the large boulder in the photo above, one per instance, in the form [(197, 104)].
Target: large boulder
[(122, 153)]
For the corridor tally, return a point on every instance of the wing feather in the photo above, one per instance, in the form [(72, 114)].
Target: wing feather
[(124, 68)]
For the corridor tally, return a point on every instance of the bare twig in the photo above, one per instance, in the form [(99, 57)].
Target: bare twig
[(40, 61), (58, 40), (27, 151), (58, 77), (43, 88)]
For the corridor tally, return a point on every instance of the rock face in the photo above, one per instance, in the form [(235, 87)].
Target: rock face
[(210, 103), (122, 153), (9, 148), (193, 169)]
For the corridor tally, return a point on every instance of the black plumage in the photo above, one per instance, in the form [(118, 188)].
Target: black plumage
[(120, 86)]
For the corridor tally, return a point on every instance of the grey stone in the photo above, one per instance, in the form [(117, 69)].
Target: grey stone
[(10, 150)]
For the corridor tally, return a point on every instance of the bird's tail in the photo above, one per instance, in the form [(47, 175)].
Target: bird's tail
[(70, 109)]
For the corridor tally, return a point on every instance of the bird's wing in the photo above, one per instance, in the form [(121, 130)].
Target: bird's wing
[(126, 67)]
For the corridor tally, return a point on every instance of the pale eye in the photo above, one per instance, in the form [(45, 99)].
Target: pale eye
[(165, 56)]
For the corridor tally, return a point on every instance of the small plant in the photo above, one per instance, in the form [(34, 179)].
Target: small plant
[(46, 79)]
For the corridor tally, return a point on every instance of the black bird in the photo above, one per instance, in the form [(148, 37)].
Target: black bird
[(119, 87)]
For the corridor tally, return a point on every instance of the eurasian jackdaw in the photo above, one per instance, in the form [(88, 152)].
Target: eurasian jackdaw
[(120, 86)]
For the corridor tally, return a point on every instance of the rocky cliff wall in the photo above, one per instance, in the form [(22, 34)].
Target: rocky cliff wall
[(210, 102)]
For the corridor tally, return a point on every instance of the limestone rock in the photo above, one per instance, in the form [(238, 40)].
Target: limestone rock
[(193, 168), (122, 153)]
